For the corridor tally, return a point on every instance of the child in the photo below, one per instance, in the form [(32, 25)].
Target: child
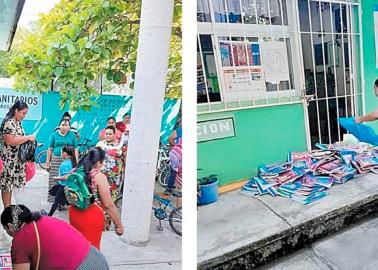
[(68, 154)]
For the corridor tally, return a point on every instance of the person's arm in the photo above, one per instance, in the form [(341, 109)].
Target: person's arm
[(367, 117), (107, 202), (77, 154), (11, 139), (48, 158), (172, 138), (21, 266)]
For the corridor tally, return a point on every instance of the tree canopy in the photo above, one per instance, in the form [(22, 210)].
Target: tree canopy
[(80, 40)]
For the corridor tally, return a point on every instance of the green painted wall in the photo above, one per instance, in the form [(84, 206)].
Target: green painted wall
[(369, 50), (263, 135)]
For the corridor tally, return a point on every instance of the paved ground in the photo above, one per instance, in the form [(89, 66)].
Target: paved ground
[(240, 223), (354, 248), (162, 252)]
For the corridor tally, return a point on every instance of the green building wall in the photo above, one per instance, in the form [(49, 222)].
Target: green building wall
[(263, 135)]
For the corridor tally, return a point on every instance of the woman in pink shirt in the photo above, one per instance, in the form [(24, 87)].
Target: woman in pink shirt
[(41, 242), (111, 122)]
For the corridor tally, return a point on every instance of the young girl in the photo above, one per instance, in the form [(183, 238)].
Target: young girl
[(69, 162)]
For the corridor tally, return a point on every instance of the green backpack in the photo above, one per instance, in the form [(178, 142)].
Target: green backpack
[(76, 190)]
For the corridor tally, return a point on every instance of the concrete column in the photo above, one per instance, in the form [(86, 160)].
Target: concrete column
[(146, 115)]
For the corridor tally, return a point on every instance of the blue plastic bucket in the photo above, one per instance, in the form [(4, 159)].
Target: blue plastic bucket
[(209, 192)]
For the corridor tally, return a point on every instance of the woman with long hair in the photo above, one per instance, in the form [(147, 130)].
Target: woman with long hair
[(90, 222), (12, 134), (41, 242), (59, 139)]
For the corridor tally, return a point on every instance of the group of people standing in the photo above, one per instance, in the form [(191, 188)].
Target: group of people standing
[(104, 168), (85, 229)]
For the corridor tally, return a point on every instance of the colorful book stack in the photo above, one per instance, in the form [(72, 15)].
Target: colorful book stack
[(366, 164), (305, 176)]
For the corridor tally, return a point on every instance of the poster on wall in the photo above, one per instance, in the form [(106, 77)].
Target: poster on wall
[(8, 97), (376, 33), (225, 50), (240, 56), (243, 79), (253, 51), (275, 62)]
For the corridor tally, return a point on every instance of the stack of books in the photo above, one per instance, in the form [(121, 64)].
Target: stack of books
[(304, 194), (305, 177), (365, 165)]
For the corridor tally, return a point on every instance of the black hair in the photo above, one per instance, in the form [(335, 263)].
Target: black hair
[(111, 117), (376, 83), (112, 128), (67, 114), (128, 113), (70, 150), (64, 120), (94, 155), (19, 105), (25, 216)]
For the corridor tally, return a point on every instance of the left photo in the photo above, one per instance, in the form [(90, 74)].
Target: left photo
[(90, 134)]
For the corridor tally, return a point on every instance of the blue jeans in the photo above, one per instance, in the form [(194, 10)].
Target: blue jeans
[(171, 179)]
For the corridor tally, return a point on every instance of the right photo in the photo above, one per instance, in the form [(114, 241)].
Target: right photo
[(287, 144)]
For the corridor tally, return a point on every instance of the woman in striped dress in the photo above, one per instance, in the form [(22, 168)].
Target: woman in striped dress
[(59, 139)]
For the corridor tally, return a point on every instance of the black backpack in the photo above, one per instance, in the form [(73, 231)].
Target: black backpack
[(26, 151)]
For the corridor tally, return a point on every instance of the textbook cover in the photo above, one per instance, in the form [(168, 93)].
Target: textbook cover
[(5, 261)]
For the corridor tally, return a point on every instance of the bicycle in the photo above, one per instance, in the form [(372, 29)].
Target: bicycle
[(160, 212), (41, 157), (84, 147), (163, 167)]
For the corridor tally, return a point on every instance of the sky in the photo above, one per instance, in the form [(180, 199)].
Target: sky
[(32, 8)]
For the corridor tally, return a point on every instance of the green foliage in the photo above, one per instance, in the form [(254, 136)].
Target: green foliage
[(80, 40), (4, 60)]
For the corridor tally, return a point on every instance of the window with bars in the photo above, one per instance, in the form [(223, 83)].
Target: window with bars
[(243, 51)]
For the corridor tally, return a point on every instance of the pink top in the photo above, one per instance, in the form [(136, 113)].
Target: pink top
[(118, 134), (62, 246)]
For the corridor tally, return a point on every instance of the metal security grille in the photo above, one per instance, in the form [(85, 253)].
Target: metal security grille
[(331, 58), (245, 55)]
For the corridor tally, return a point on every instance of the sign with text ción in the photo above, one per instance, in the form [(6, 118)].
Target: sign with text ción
[(215, 129), (8, 97)]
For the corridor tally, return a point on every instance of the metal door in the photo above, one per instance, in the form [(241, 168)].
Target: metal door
[(330, 38)]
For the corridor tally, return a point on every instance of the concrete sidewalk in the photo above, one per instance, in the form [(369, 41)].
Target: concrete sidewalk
[(241, 232), (162, 252)]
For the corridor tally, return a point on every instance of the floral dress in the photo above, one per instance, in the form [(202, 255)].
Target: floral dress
[(13, 176), (113, 165)]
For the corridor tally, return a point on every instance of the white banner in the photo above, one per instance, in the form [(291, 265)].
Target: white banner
[(8, 97)]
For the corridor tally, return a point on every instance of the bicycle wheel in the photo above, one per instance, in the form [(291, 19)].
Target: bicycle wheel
[(175, 220), (163, 178), (164, 174), (41, 159)]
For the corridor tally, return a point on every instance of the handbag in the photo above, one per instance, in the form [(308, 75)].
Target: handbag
[(26, 151), (38, 245), (30, 170)]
